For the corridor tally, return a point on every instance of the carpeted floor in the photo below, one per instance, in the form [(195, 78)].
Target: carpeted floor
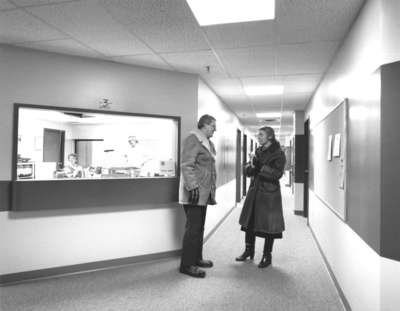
[(297, 280)]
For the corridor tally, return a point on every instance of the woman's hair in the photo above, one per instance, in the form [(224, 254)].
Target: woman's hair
[(269, 131), (205, 119)]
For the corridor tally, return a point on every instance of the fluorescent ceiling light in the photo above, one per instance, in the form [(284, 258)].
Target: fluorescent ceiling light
[(212, 12), (264, 90), (268, 115)]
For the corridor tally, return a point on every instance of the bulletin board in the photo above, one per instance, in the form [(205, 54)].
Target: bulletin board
[(329, 158)]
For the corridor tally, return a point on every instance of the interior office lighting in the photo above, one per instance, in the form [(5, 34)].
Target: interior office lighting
[(213, 12), (268, 115), (264, 90)]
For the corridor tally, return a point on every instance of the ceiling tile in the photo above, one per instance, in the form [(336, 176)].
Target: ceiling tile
[(254, 61), (147, 60), (23, 3), (90, 24), (301, 83), (16, 26), (296, 101), (5, 5), (227, 87), (66, 46), (195, 62), (274, 104), (263, 80), (311, 20), (306, 58), (241, 34), (166, 26)]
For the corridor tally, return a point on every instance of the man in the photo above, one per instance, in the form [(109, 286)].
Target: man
[(135, 157), (196, 191)]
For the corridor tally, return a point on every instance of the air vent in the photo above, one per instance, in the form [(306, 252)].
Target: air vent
[(272, 120)]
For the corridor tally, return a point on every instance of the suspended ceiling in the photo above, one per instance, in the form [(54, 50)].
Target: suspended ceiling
[(293, 50)]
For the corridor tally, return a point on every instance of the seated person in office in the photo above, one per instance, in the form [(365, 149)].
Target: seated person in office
[(72, 169)]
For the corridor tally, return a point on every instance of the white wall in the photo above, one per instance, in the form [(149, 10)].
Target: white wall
[(369, 282), (46, 239), (356, 266)]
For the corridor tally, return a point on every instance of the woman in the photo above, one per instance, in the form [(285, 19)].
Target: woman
[(262, 214), (197, 190)]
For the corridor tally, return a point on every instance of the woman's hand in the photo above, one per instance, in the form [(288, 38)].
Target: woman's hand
[(251, 159)]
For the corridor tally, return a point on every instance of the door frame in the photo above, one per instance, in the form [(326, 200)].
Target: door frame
[(238, 164), (306, 166)]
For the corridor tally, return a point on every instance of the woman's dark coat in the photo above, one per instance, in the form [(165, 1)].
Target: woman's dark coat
[(264, 194)]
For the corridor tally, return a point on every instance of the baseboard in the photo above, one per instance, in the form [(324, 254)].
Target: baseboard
[(339, 289), (13, 278), (299, 213)]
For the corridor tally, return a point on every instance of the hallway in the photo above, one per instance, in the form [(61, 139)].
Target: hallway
[(298, 280)]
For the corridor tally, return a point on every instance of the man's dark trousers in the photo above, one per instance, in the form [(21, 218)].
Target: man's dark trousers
[(192, 249)]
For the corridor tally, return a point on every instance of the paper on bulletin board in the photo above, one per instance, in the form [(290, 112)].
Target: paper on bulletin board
[(341, 174), (336, 145), (329, 148)]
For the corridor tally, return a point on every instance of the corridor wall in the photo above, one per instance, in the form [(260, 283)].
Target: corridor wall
[(40, 240), (355, 249)]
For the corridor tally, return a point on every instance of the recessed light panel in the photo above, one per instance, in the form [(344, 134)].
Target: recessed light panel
[(268, 115), (213, 12), (264, 90)]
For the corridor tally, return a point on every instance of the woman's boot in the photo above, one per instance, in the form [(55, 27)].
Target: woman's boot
[(248, 252), (250, 240), (266, 259)]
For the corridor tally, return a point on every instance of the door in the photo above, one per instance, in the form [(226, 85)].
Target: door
[(53, 146), (238, 164), (306, 164), (244, 163)]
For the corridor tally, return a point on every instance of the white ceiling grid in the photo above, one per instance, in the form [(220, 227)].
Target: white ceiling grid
[(294, 50)]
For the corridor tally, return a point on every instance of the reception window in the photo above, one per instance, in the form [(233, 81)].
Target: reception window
[(64, 144)]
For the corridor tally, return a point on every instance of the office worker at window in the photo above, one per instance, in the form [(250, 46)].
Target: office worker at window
[(196, 191), (262, 214), (73, 169)]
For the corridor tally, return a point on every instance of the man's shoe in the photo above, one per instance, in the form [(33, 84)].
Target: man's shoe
[(192, 271), (204, 263)]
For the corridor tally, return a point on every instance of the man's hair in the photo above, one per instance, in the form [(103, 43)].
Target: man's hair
[(269, 131), (73, 155), (205, 119)]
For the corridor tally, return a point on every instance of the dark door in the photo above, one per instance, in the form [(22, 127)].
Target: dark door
[(53, 146), (306, 164), (244, 163), (238, 164)]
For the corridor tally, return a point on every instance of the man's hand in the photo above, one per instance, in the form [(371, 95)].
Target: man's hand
[(194, 196)]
